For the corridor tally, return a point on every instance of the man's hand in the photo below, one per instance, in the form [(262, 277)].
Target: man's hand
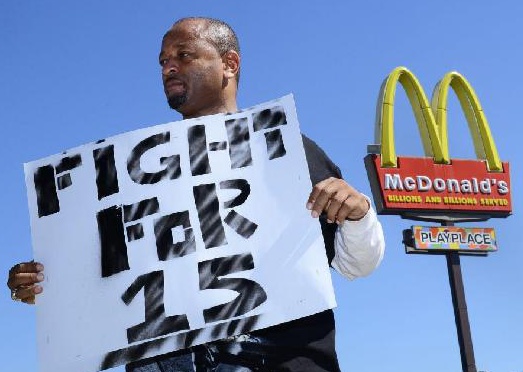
[(339, 201), (23, 281)]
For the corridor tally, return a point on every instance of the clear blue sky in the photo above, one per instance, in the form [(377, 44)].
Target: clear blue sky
[(73, 72)]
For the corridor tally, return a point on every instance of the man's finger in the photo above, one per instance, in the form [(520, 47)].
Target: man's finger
[(26, 267), (27, 293), (24, 279), (321, 195), (25, 273), (337, 204), (343, 212), (316, 190)]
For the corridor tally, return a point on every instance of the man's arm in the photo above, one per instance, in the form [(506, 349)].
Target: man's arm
[(359, 246), (359, 243)]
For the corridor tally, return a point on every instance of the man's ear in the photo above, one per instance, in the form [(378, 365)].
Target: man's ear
[(231, 64)]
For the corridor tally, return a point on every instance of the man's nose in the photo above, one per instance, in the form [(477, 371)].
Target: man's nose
[(170, 67)]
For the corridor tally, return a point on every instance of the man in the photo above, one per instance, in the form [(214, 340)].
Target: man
[(200, 62)]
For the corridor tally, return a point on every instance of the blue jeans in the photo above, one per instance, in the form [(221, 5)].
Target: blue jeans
[(221, 356)]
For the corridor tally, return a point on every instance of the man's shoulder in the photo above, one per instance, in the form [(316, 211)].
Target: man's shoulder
[(310, 145), (320, 165)]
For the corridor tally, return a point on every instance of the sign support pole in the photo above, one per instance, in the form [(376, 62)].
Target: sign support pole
[(459, 303)]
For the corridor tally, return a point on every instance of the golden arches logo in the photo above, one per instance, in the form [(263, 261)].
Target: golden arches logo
[(434, 187), (432, 118)]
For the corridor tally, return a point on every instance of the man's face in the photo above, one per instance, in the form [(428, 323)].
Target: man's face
[(192, 71)]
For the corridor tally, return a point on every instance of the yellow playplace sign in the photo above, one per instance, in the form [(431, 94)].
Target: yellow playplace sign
[(436, 183)]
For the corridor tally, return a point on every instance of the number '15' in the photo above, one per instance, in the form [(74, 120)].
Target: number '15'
[(211, 272)]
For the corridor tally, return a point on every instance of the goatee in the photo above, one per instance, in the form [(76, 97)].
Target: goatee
[(176, 101)]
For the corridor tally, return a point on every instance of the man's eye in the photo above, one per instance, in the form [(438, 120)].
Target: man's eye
[(163, 62), (183, 54)]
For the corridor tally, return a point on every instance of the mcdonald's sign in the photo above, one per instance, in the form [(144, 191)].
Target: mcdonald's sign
[(436, 184)]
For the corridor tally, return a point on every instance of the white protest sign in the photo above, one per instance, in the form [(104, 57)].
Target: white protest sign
[(174, 235)]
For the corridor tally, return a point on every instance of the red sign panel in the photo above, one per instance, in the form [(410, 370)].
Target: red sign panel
[(419, 185)]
